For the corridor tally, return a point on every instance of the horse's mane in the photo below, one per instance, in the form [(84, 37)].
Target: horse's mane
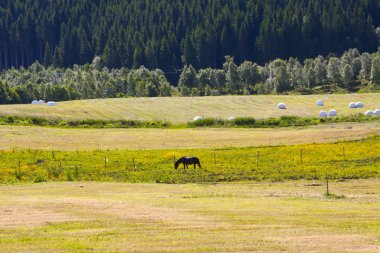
[(179, 160)]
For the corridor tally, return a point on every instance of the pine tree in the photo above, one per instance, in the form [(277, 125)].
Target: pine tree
[(138, 57), (48, 59), (189, 56), (165, 56)]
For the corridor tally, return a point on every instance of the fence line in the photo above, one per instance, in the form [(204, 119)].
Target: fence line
[(234, 164)]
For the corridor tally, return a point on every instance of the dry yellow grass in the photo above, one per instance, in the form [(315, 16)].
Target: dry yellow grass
[(184, 109), (89, 139), (239, 217)]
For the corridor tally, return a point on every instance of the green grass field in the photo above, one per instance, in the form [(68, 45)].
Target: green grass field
[(245, 217), (183, 109), (342, 160)]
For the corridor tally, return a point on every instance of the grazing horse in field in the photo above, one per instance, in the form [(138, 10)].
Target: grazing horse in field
[(185, 160)]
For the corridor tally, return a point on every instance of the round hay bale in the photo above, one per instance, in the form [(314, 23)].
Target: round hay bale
[(281, 106), (51, 103), (369, 113), (359, 104), (332, 113), (352, 105), (41, 101), (320, 103), (377, 112), (323, 114), (231, 118), (34, 102), (197, 118)]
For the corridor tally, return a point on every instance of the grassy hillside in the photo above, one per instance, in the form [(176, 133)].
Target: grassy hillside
[(264, 217), (184, 109)]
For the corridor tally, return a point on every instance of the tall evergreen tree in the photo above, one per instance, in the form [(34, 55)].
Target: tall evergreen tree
[(48, 59)]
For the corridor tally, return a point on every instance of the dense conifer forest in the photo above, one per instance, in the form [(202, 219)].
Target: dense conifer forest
[(64, 49), (168, 34)]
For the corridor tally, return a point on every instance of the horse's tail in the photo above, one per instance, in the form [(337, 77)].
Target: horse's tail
[(199, 163)]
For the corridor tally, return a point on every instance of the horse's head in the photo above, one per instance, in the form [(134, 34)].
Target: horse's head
[(198, 162), (176, 164)]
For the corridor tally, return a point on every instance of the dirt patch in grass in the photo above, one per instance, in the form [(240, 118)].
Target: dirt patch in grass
[(31, 215), (37, 212), (328, 243)]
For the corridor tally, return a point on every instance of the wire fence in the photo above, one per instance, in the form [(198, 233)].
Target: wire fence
[(357, 160)]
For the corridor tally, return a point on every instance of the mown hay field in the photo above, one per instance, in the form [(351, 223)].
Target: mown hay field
[(66, 139), (245, 217), (183, 109)]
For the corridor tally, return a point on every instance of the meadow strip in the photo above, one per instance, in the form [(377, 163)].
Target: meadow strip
[(342, 160), (66, 139), (239, 122), (180, 110)]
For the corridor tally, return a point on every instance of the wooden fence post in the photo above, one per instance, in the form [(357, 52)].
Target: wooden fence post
[(257, 158), (214, 159), (18, 170), (105, 165), (344, 156)]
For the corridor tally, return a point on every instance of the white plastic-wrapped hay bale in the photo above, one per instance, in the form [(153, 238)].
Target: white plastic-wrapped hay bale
[(231, 118), (332, 113), (359, 104), (369, 113), (377, 112), (34, 102), (41, 102), (51, 103), (323, 114), (197, 118), (352, 105), (319, 103), (281, 106)]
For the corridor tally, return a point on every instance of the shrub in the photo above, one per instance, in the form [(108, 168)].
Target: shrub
[(37, 121), (204, 122), (9, 119), (40, 178), (244, 121)]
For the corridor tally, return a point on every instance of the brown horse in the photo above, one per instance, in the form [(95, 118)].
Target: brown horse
[(185, 160)]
